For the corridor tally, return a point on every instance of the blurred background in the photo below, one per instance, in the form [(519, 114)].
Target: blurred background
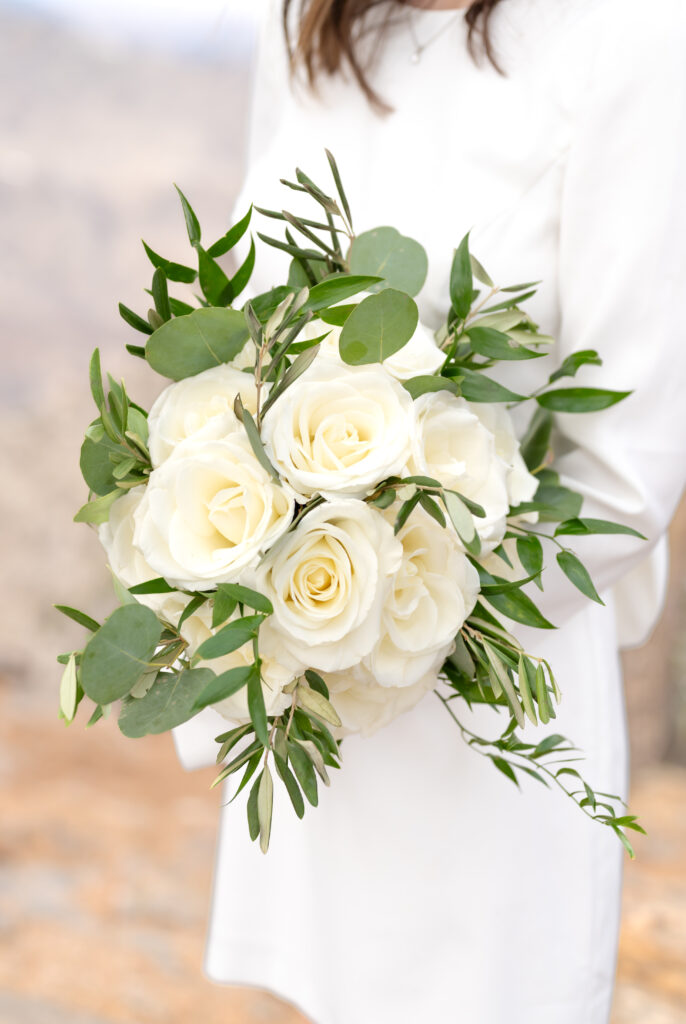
[(106, 847)]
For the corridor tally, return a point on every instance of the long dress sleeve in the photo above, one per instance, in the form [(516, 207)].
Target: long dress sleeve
[(622, 272)]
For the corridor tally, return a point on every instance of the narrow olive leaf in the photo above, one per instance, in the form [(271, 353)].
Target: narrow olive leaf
[(505, 321), (477, 387), (505, 767), (214, 283), (577, 574), (229, 740), (234, 235), (290, 783), (542, 698), (223, 686), (191, 608), (337, 315), (383, 500), (479, 272), (117, 655), (501, 671), (405, 511), (423, 384), (461, 658), (315, 756), (265, 806), (154, 319), (432, 507), (97, 511), (509, 303), (462, 520), (496, 345), (68, 690), (244, 595), (77, 616), (134, 320), (178, 307), (580, 399), (581, 527), (304, 772), (530, 554), (223, 607), (520, 608), (525, 691), (253, 813), (174, 271), (317, 703), (255, 749), (339, 186), (136, 350), (536, 441), (254, 438), (160, 294), (242, 275), (317, 683), (256, 706), (573, 362), (192, 223), (156, 586), (336, 288), (300, 254), (295, 370), (95, 374), (461, 280), (230, 637)]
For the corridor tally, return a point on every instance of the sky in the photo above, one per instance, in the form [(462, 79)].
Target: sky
[(203, 25)]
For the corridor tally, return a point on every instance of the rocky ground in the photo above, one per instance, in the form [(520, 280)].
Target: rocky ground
[(106, 846)]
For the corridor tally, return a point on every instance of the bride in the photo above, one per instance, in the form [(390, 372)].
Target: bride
[(424, 887)]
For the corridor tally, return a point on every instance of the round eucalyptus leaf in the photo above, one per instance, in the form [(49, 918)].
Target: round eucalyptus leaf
[(169, 702), (96, 465), (118, 654), (379, 326), (190, 344), (399, 260)]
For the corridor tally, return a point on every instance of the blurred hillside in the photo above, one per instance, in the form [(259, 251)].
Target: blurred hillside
[(106, 847)]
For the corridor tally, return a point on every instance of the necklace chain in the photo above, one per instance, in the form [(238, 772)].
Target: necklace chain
[(420, 47)]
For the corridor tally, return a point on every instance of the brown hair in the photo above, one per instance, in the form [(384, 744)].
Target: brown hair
[(325, 37)]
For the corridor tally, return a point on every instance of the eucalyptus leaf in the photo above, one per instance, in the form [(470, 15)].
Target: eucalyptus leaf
[(378, 327), (169, 702), (119, 653), (189, 344), (401, 262)]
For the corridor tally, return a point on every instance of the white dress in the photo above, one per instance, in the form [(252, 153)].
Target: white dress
[(424, 886)]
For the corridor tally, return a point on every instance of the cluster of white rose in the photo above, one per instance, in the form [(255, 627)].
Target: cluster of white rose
[(374, 612)]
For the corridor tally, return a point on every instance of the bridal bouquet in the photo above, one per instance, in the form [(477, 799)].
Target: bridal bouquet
[(326, 514)]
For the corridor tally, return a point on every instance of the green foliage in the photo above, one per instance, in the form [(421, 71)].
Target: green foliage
[(170, 701), (190, 344), (119, 653), (580, 399), (401, 262), (379, 326), (461, 281)]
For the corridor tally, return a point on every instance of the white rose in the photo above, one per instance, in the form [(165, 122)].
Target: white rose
[(339, 430), (452, 445), (419, 357), (328, 581), (433, 592), (365, 707), (126, 561), (186, 407), (521, 484), (197, 628), (209, 511)]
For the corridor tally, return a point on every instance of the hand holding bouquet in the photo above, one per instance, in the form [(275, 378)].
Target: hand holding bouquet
[(327, 514)]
